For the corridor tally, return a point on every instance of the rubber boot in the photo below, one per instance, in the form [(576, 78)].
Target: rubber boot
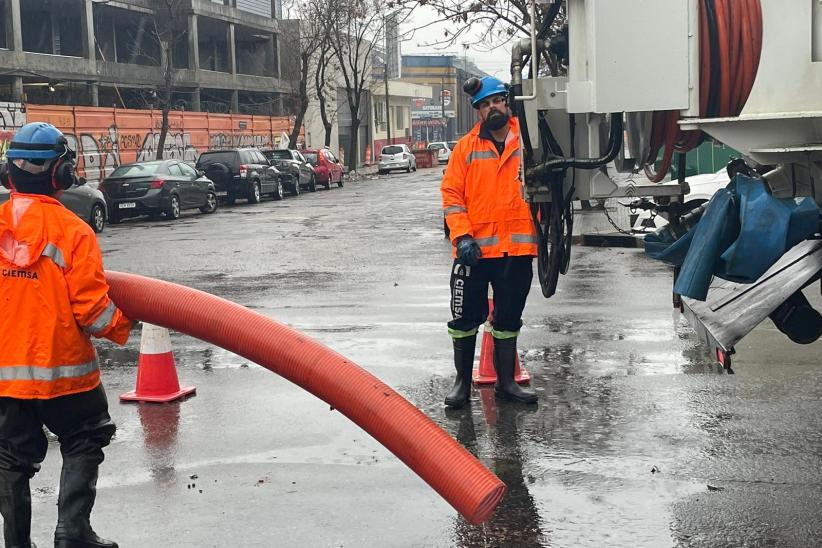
[(505, 361), (460, 394), (78, 488), (15, 506)]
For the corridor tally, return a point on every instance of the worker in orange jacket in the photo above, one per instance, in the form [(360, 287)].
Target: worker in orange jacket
[(494, 240), (54, 296)]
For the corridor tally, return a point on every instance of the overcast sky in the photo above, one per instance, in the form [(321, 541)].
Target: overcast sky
[(495, 63)]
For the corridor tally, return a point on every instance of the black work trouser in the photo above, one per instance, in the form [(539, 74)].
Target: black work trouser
[(81, 423), (510, 277)]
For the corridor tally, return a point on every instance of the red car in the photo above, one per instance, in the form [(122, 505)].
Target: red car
[(327, 168)]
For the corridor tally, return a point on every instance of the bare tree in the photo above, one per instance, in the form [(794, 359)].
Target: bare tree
[(359, 28), (488, 24), (325, 84), (309, 33), (168, 18), (154, 41)]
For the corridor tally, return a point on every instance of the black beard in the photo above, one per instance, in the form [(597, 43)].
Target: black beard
[(496, 120)]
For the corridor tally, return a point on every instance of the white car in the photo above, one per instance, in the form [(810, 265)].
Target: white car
[(393, 157), (442, 149)]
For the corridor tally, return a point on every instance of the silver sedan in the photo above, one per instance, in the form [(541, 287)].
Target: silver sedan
[(87, 203)]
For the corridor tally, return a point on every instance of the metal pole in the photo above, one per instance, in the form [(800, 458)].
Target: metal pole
[(387, 104), (442, 104), (387, 97)]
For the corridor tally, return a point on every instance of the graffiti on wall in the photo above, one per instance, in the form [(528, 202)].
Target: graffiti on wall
[(12, 117), (102, 148)]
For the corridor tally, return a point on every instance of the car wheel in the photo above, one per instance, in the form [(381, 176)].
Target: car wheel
[(340, 182), (408, 168), (296, 190), (312, 184), (97, 220), (173, 211), (211, 203), (278, 193), (381, 172), (254, 196)]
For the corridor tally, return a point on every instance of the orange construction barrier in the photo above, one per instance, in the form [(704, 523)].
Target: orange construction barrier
[(486, 374), (156, 371)]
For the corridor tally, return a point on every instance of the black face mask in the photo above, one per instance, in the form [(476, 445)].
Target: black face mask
[(496, 119)]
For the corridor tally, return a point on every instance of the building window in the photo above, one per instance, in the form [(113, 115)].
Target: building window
[(400, 118), (379, 112)]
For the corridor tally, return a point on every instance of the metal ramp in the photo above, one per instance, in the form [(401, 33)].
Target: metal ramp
[(732, 310)]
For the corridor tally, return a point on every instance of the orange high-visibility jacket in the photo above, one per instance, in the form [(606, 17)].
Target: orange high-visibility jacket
[(482, 196), (53, 295)]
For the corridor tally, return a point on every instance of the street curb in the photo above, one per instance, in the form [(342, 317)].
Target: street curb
[(614, 239)]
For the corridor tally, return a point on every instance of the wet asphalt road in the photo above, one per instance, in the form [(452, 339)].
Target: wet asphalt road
[(638, 440)]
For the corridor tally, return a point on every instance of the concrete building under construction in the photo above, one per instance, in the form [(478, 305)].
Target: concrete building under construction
[(225, 54)]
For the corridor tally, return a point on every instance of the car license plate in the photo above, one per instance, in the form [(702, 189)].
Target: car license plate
[(127, 205), (222, 193)]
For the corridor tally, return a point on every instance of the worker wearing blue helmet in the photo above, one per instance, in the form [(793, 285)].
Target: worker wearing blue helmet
[(484, 88), (55, 297), (494, 241)]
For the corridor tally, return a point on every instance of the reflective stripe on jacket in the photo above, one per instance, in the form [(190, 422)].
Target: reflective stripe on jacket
[(482, 196), (54, 296)]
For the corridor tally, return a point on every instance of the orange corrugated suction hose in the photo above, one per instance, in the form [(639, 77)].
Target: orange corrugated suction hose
[(429, 451)]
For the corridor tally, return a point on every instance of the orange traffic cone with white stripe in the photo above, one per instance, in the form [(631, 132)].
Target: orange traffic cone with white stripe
[(156, 371), (486, 374)]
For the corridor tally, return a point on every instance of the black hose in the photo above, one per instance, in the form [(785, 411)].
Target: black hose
[(713, 34), (615, 140), (519, 111), (547, 21)]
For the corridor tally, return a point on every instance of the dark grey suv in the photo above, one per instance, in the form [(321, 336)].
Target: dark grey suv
[(294, 167), (241, 173)]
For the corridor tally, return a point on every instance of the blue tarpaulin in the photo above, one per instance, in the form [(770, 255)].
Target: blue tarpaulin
[(741, 234)]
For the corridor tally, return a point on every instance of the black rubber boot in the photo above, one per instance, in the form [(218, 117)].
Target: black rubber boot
[(15, 506), (78, 488), (460, 394), (505, 360)]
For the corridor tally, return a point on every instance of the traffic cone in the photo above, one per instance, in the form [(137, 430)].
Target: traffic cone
[(156, 371), (486, 374)]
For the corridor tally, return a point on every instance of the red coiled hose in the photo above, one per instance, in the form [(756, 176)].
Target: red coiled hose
[(730, 47), (429, 451)]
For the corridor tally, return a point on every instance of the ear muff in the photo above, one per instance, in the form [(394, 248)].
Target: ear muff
[(472, 86), (5, 177), (62, 173)]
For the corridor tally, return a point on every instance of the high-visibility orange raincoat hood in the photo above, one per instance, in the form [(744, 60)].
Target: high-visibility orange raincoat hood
[(23, 229)]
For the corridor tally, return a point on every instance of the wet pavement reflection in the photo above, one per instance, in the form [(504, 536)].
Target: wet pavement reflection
[(160, 422), (517, 521)]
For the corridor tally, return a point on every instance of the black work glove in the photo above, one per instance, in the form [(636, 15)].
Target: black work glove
[(468, 251)]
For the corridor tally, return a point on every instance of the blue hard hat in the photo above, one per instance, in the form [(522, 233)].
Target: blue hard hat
[(485, 88), (37, 141)]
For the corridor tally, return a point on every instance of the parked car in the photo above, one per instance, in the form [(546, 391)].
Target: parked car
[(241, 173), (327, 169), (296, 170), (396, 157), (442, 149), (157, 188), (87, 203)]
